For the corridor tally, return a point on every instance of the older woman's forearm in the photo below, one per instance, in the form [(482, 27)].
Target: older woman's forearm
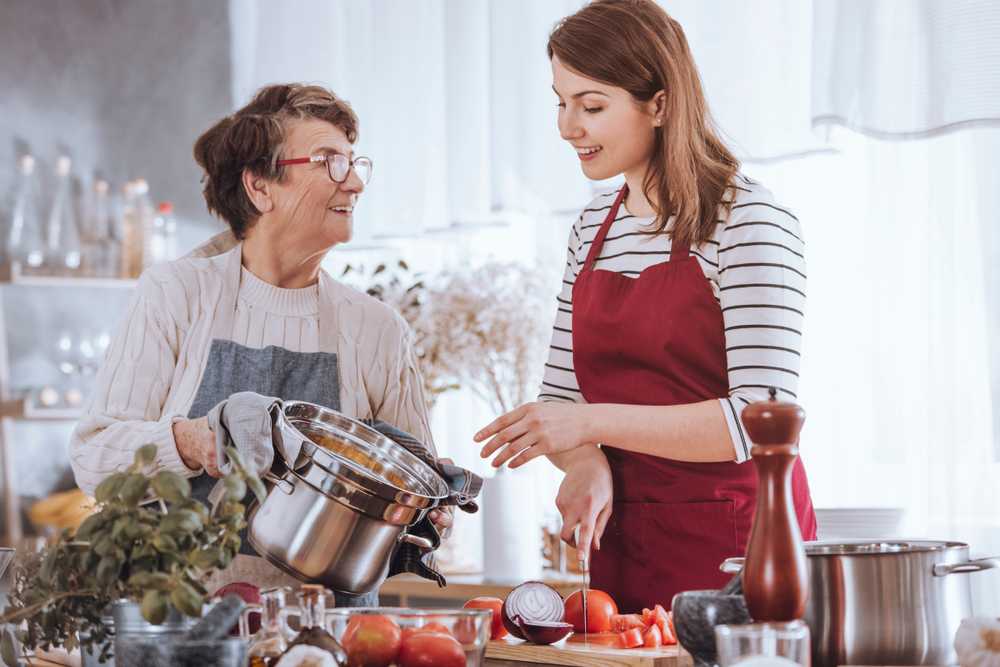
[(102, 445)]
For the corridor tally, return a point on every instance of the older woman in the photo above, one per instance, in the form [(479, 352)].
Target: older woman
[(252, 310)]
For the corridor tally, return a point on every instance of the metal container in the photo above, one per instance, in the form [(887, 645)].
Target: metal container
[(893, 602), (339, 511)]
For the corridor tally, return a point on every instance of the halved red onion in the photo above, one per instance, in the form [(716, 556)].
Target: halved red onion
[(543, 632), (535, 603)]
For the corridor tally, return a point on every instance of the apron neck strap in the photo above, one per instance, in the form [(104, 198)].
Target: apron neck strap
[(678, 251), (595, 247)]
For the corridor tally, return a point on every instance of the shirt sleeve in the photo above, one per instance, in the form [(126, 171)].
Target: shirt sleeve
[(762, 291), (559, 380), (126, 409)]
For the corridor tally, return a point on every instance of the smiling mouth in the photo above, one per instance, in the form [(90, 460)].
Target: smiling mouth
[(589, 150), (341, 209)]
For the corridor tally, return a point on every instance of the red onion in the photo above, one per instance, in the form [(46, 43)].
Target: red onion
[(544, 632), (535, 603)]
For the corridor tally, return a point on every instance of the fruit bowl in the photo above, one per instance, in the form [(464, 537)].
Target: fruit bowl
[(412, 637)]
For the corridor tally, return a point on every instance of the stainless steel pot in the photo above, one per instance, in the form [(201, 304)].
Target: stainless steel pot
[(339, 511), (895, 602)]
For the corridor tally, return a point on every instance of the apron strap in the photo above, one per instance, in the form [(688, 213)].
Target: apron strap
[(595, 247)]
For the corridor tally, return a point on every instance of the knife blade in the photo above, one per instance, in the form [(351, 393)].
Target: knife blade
[(584, 561)]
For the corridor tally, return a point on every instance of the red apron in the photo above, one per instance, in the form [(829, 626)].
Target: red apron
[(658, 339)]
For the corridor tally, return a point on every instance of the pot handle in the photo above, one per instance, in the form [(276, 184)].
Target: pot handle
[(286, 487), (732, 565), (978, 565), (416, 540)]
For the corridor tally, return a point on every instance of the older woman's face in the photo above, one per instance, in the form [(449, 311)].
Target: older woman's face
[(307, 202)]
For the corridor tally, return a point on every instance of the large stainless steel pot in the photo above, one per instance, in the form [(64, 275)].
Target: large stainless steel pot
[(336, 514), (894, 602)]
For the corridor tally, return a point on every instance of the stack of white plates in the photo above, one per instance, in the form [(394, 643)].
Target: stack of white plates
[(858, 522)]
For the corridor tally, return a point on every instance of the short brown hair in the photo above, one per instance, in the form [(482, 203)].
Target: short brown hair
[(252, 139), (635, 45)]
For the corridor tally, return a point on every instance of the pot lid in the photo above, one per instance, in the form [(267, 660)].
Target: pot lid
[(346, 447), (876, 547)]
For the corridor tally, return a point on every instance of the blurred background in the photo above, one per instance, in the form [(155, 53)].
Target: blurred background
[(877, 123)]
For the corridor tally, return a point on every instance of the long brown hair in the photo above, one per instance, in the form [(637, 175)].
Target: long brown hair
[(635, 45)]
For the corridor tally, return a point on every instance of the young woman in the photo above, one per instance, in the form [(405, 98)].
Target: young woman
[(682, 302)]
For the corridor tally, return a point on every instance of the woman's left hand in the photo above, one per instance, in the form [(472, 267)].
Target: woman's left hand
[(533, 430)]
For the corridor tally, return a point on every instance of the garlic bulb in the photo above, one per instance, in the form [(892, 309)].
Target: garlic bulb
[(977, 642), (304, 655)]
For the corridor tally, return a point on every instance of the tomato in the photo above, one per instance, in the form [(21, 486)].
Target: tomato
[(497, 631), (667, 630), (433, 626), (652, 638), (431, 649), (371, 641), (600, 609), (623, 622), (631, 638)]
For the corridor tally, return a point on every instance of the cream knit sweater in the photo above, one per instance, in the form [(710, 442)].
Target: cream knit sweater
[(154, 364)]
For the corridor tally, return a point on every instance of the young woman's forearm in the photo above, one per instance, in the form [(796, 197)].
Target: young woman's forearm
[(695, 432)]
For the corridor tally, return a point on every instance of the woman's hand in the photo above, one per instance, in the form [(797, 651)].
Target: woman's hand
[(532, 430), (196, 445), (584, 499)]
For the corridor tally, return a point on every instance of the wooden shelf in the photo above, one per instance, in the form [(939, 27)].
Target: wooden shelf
[(21, 409), (12, 276)]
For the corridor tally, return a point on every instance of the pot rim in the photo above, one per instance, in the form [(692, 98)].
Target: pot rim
[(432, 489), (880, 547)]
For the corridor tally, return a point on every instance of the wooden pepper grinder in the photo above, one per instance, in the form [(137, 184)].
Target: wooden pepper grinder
[(774, 577)]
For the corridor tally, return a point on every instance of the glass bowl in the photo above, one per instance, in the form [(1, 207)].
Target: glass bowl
[(470, 627)]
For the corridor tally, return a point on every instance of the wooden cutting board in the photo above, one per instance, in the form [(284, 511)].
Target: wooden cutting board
[(509, 651)]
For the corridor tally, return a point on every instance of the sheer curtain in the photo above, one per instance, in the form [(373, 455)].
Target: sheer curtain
[(873, 121)]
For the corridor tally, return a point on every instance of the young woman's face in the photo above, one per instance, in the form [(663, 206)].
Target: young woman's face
[(611, 132)]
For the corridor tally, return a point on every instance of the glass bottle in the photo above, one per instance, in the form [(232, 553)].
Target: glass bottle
[(312, 621), (274, 636), (137, 220), (98, 237), (25, 243), (63, 247), (163, 246)]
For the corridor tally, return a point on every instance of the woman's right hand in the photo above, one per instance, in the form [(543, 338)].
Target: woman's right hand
[(584, 499), (196, 445)]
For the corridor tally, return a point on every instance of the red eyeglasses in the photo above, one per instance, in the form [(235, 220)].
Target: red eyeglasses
[(338, 166)]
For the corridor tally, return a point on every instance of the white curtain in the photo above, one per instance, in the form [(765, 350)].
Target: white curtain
[(901, 368)]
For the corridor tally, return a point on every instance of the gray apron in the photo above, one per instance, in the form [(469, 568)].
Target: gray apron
[(271, 371)]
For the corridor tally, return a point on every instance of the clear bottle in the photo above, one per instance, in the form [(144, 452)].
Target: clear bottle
[(274, 636), (98, 232), (163, 245), (137, 221), (25, 241), (312, 621), (63, 254)]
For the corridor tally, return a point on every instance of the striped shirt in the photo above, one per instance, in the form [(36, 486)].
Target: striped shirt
[(756, 266)]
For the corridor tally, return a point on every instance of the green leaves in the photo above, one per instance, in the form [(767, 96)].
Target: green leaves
[(186, 599), (155, 605), (126, 550), (7, 650), (171, 487)]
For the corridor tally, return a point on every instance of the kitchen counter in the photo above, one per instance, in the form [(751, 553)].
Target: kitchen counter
[(514, 653)]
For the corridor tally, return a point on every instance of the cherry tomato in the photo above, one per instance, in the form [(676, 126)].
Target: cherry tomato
[(631, 638), (623, 622), (371, 641), (600, 609), (497, 631), (431, 649)]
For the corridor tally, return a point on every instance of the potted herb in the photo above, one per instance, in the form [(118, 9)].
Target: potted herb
[(155, 554)]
